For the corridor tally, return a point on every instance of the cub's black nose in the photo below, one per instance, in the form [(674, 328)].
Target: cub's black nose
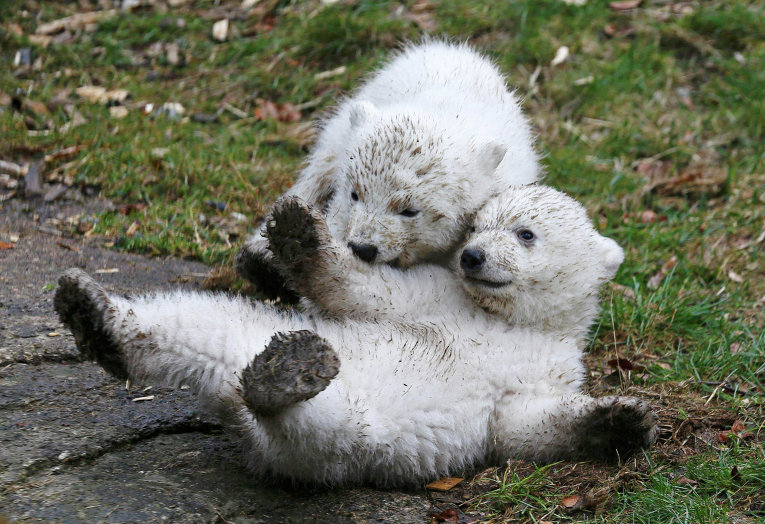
[(366, 252), (472, 260)]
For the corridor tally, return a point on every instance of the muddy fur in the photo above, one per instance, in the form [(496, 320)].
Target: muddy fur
[(294, 367), (428, 383), (403, 164)]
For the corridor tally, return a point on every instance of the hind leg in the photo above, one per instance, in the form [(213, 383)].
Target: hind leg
[(573, 427), (83, 306), (294, 367)]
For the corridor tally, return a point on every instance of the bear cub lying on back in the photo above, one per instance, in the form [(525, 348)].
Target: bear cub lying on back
[(470, 376), (402, 165)]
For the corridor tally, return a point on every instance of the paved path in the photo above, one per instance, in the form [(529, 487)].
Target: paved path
[(75, 447)]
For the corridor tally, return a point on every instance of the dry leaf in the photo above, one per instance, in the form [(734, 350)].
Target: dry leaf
[(220, 30), (267, 110), (738, 427), (734, 347), (684, 481), (648, 217), (118, 112), (625, 364), (618, 32), (61, 154), (572, 502), (6, 245), (735, 277), (444, 484), (76, 21), (98, 94), (655, 280), (560, 56), (664, 365), (624, 5), (447, 515)]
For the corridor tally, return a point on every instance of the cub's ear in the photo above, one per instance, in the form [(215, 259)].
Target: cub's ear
[(361, 112), (612, 255), (489, 153)]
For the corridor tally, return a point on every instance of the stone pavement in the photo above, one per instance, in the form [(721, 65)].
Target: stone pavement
[(76, 447)]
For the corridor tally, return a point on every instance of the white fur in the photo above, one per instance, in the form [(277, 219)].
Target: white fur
[(429, 383), (435, 131)]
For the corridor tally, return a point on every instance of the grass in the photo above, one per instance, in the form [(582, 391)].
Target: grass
[(675, 89)]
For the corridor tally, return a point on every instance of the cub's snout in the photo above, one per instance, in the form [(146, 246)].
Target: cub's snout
[(366, 252), (472, 260)]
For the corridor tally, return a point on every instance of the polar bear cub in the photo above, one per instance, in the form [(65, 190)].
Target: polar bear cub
[(402, 165), (391, 399)]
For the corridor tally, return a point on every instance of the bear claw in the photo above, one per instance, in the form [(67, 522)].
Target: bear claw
[(294, 367), (81, 305)]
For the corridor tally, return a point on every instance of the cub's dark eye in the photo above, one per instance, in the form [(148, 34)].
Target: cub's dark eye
[(409, 213), (472, 229), (526, 235), (355, 196)]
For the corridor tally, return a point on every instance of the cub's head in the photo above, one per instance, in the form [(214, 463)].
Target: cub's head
[(534, 257), (410, 185)]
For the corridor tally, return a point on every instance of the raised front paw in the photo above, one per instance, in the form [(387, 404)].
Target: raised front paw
[(294, 367), (82, 305), (295, 232), (258, 267), (615, 427)]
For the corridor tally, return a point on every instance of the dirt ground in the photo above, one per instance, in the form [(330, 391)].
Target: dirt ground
[(76, 446)]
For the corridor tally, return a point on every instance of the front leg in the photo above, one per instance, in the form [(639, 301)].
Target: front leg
[(338, 283), (572, 427)]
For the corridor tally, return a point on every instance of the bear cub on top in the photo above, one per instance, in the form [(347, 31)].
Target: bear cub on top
[(403, 164)]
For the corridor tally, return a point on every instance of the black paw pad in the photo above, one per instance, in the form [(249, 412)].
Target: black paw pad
[(294, 367), (260, 270), (81, 305), (617, 428), (292, 232)]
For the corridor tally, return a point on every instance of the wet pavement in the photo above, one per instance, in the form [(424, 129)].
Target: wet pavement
[(76, 445)]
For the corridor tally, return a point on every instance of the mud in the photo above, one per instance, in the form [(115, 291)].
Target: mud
[(76, 445)]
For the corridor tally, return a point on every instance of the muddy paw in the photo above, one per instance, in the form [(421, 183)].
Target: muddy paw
[(81, 305), (617, 427), (295, 232), (294, 367), (258, 267)]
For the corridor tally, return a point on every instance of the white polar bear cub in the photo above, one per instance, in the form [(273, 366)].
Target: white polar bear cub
[(402, 165), (387, 399)]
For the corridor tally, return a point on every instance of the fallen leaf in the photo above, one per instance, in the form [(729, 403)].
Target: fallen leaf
[(129, 208), (624, 5), (444, 484), (618, 32), (625, 364), (35, 107), (6, 245), (734, 347), (447, 515), (684, 481), (655, 280), (738, 427), (61, 154), (663, 365), (560, 56), (571, 502), (735, 277), (648, 216), (220, 30), (267, 110), (421, 14), (76, 21), (98, 94), (118, 112)]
